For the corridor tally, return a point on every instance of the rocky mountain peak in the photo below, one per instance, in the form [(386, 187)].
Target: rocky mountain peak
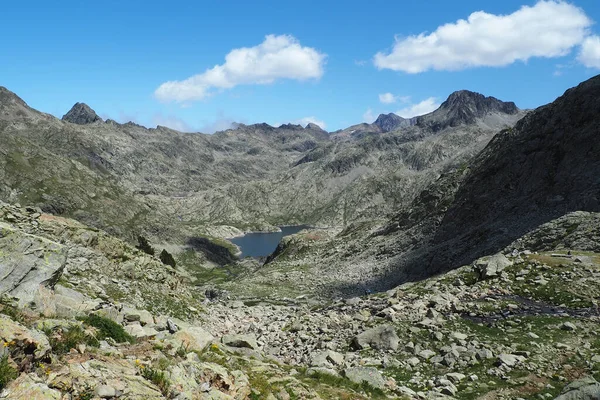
[(390, 122), (12, 107), (314, 127), (81, 114), (470, 105), (465, 108), (7, 97), (292, 127)]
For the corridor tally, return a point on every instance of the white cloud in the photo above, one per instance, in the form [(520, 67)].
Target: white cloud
[(387, 98), (369, 117), (171, 121), (276, 58), (308, 120), (589, 54), (548, 29), (424, 107)]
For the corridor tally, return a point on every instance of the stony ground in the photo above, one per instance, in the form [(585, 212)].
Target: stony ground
[(86, 316)]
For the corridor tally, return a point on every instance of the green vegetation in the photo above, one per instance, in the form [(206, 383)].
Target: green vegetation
[(108, 329), (167, 258), (9, 309), (156, 376), (62, 339), (339, 382), (7, 372), (144, 245)]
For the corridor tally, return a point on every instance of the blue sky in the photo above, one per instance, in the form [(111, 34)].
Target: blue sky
[(337, 63)]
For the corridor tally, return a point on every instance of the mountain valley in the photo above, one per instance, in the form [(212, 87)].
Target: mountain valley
[(451, 255)]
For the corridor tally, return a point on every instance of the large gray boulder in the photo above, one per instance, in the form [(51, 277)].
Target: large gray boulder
[(368, 375), (192, 339), (582, 389), (491, 266), (28, 262), (240, 341), (382, 337)]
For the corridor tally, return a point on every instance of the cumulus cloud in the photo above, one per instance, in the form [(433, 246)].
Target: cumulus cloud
[(389, 98), (548, 29), (368, 116), (423, 107), (589, 54), (171, 121), (277, 57), (222, 123)]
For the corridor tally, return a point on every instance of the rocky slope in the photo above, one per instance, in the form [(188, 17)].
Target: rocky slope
[(115, 323), (546, 166), (543, 168)]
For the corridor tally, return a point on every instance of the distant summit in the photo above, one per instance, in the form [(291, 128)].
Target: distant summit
[(81, 114), (472, 105), (391, 122), (314, 126), (12, 107), (7, 97), (464, 108)]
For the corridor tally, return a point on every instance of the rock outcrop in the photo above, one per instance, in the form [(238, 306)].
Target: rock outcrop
[(28, 262), (81, 114)]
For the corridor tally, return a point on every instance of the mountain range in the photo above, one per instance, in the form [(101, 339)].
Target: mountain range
[(451, 255), (419, 184)]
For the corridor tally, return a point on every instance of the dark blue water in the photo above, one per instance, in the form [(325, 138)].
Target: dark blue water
[(261, 244)]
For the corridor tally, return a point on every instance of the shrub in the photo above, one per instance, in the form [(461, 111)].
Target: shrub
[(159, 378), (144, 245), (64, 339), (108, 329), (7, 372), (167, 258)]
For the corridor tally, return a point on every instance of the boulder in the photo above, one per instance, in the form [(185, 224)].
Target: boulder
[(106, 391), (63, 302), (15, 334), (367, 375), (198, 380), (326, 358), (582, 389), (510, 360), (192, 339), (29, 387), (103, 376), (491, 266), (28, 262), (246, 341), (140, 332), (382, 337)]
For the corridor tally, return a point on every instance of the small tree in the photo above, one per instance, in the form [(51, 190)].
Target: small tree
[(167, 258), (144, 246)]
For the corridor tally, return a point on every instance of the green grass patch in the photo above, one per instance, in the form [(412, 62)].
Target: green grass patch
[(316, 378), (7, 372), (157, 377), (62, 339), (108, 329), (9, 309)]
